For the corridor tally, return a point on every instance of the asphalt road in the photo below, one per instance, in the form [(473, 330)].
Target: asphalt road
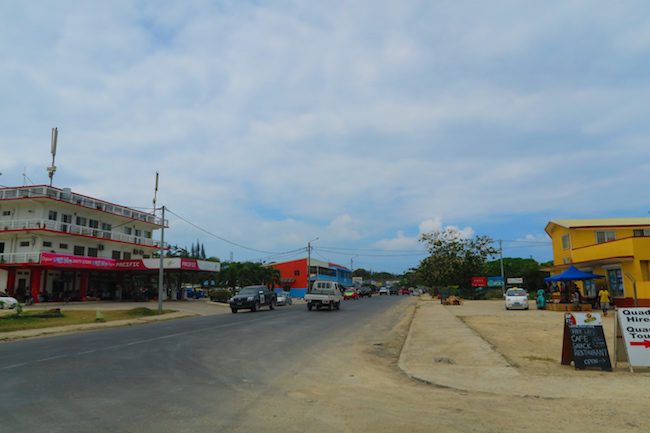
[(196, 374)]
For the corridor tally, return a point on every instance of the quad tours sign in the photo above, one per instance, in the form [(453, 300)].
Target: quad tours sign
[(584, 342), (632, 343)]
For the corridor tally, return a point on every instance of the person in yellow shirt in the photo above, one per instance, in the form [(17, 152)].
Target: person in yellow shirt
[(603, 297)]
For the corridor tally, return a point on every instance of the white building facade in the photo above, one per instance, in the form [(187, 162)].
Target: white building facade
[(56, 244)]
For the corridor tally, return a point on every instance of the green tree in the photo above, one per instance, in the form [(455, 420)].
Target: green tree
[(454, 259), (360, 272)]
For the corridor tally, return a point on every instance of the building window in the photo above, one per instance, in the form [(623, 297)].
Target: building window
[(605, 236), (641, 232), (147, 235), (615, 278), (52, 215), (24, 243), (79, 250), (126, 256), (138, 233), (128, 230), (66, 218), (115, 255), (107, 227), (6, 213), (92, 252), (63, 246), (566, 242), (81, 221), (93, 224), (47, 244)]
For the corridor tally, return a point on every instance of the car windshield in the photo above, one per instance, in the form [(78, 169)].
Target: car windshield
[(249, 291), (518, 292)]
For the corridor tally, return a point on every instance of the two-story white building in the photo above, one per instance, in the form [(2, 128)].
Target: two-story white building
[(56, 244)]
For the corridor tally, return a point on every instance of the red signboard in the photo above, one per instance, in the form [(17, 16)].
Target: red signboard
[(479, 281), (64, 260)]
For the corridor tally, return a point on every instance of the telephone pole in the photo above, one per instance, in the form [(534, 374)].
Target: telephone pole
[(309, 262), (161, 271), (503, 279)]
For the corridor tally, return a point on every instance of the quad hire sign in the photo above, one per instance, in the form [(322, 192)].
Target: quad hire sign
[(633, 327)]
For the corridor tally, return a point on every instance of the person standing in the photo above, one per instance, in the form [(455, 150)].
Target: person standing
[(603, 297)]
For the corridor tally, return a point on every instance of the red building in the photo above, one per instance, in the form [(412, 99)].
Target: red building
[(293, 274)]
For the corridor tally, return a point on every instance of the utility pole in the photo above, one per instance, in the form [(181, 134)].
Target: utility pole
[(161, 271), (309, 262), (503, 279)]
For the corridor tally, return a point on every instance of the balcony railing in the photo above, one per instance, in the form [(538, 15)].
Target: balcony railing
[(20, 257), (41, 224), (70, 197)]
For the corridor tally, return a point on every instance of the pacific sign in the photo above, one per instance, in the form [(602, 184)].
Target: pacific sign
[(172, 263)]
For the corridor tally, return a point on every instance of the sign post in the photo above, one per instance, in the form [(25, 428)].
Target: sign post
[(584, 342)]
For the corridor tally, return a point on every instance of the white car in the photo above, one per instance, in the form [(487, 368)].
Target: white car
[(7, 301), (516, 298), (284, 298), (384, 291)]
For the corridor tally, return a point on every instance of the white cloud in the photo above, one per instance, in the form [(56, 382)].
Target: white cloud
[(272, 123)]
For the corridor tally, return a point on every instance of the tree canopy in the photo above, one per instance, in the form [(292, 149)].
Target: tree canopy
[(454, 258)]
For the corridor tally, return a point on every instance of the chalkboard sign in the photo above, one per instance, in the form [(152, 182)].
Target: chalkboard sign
[(589, 348)]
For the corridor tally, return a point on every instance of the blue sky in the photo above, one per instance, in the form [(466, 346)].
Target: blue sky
[(362, 123)]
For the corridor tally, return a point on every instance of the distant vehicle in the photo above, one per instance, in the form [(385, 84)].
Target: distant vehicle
[(350, 293), (393, 291), (404, 291), (516, 298), (284, 298), (253, 298), (365, 291), (7, 301), (383, 291), (324, 294)]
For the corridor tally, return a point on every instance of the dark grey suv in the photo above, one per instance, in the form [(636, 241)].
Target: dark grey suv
[(253, 298)]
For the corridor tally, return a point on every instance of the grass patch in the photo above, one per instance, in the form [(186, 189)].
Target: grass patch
[(36, 319)]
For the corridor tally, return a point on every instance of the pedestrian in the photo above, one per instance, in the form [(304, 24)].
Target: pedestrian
[(575, 298), (603, 296)]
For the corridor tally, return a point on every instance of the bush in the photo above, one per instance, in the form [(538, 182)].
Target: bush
[(219, 295)]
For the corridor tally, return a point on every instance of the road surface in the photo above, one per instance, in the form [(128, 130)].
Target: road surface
[(214, 373)]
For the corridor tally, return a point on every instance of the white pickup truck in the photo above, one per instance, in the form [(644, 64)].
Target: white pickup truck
[(324, 294)]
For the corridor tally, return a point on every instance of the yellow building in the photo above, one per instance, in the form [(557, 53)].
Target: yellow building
[(618, 248)]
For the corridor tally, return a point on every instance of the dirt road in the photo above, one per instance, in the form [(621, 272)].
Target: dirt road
[(369, 393)]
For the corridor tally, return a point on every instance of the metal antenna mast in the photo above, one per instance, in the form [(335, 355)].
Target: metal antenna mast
[(52, 169)]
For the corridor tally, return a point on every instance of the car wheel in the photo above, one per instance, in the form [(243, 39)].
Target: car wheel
[(234, 310), (309, 306), (272, 305), (256, 306)]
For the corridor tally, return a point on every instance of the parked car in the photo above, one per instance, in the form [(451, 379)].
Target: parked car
[(383, 291), (404, 291), (516, 298), (365, 291), (393, 291), (284, 298), (253, 298), (350, 293), (7, 301)]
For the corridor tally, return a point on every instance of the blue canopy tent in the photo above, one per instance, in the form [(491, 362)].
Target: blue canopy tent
[(573, 274)]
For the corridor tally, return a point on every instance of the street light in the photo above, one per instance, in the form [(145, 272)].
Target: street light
[(309, 261)]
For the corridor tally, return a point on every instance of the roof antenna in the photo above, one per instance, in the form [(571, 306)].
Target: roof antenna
[(155, 194), (52, 169), (26, 178)]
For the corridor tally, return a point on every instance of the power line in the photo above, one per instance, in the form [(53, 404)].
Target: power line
[(422, 253), (222, 238)]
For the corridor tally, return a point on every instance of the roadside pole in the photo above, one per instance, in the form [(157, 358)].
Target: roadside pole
[(161, 271), (503, 278)]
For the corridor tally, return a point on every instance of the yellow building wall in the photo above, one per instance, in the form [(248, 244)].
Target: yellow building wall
[(584, 248)]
